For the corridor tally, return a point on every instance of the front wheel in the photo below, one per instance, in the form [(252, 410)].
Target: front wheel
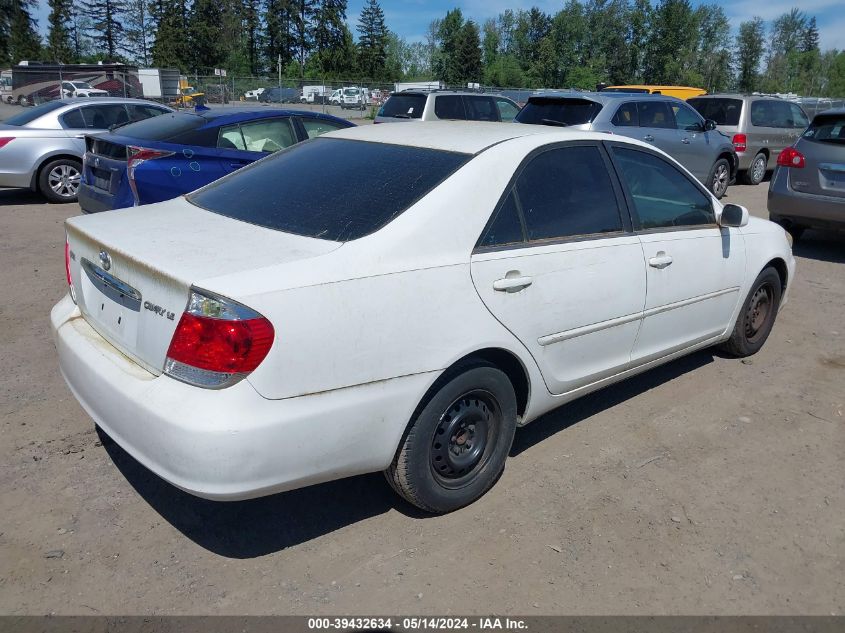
[(720, 177), (757, 316), (456, 446)]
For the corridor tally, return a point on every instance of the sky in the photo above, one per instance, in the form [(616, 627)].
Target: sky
[(410, 18)]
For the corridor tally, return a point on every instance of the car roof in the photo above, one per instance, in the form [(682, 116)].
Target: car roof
[(469, 137), (236, 115), (90, 100), (438, 92), (601, 97)]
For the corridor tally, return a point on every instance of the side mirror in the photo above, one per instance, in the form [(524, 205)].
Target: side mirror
[(709, 125), (733, 215)]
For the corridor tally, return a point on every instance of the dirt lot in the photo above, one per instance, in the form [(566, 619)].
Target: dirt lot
[(707, 486)]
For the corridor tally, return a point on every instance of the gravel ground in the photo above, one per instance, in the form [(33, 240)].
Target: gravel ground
[(709, 485)]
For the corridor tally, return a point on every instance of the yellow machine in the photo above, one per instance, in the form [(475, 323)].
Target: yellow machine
[(681, 92), (188, 97)]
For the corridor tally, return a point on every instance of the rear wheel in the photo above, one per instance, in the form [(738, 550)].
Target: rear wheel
[(59, 180), (757, 316), (457, 444), (757, 171), (720, 177)]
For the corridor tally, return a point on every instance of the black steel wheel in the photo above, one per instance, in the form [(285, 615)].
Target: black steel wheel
[(456, 445), (757, 316)]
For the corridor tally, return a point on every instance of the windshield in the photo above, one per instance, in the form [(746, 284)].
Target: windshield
[(722, 111), (331, 189), (163, 127), (30, 114), (558, 111), (827, 128), (81, 84), (352, 91), (403, 106)]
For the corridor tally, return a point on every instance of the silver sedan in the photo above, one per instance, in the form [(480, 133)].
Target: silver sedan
[(41, 148)]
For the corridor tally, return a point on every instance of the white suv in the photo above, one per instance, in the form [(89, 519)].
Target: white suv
[(72, 89), (413, 105)]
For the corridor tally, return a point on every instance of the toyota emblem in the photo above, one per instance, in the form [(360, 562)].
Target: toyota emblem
[(105, 260)]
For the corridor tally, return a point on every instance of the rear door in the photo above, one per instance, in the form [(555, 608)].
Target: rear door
[(694, 268), (766, 130), (559, 267), (245, 143), (657, 126), (480, 108), (449, 107)]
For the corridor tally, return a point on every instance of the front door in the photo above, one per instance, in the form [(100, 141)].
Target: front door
[(694, 267), (560, 268)]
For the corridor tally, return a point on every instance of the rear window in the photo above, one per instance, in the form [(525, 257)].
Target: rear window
[(722, 111), (827, 128), (29, 115), (331, 189), (164, 127), (403, 106), (555, 111)]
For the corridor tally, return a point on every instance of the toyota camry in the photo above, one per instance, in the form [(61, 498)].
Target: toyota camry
[(400, 298)]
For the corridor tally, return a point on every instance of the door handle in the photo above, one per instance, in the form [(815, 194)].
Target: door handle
[(685, 141), (661, 260), (512, 284), (648, 137)]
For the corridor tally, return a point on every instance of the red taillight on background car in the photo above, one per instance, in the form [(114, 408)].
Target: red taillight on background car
[(5, 140), (217, 342), (136, 156), (67, 271), (791, 157), (740, 142)]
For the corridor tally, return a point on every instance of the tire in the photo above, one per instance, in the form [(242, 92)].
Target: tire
[(757, 316), (22, 101), (59, 180), (720, 177), (474, 413), (757, 171)]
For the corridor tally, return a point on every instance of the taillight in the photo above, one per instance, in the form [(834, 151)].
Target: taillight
[(5, 140), (791, 157), (67, 270), (740, 142), (136, 156), (217, 342)]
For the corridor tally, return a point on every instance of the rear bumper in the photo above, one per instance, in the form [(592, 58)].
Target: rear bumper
[(784, 203), (231, 444), (92, 200)]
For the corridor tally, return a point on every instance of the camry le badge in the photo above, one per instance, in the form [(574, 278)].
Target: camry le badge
[(105, 260)]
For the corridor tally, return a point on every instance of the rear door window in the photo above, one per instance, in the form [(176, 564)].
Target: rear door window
[(507, 109), (626, 116), (324, 188), (663, 197), (404, 106), (722, 111), (655, 114), (316, 127), (480, 108), (269, 135), (558, 111), (103, 116), (770, 113), (73, 120), (230, 137), (449, 107), (505, 227)]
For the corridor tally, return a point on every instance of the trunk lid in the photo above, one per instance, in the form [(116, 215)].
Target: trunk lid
[(824, 165), (132, 269)]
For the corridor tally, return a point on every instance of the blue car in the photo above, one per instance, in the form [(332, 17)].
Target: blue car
[(155, 160)]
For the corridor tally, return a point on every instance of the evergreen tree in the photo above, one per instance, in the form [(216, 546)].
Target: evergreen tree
[(671, 43), (750, 45), (170, 49), (811, 37), (278, 33), (138, 31), (469, 54), (59, 43), (448, 38), (24, 41), (330, 37), (251, 19), (372, 41), (713, 57), (205, 36), (302, 17), (106, 29)]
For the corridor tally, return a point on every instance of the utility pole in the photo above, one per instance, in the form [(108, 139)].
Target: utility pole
[(279, 66)]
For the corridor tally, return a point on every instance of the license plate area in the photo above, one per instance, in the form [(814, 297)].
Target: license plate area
[(112, 305), (832, 177), (101, 178)]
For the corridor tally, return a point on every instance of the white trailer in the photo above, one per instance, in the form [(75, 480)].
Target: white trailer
[(418, 85), (315, 94)]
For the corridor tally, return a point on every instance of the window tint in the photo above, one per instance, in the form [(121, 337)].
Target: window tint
[(565, 192), (655, 114), (404, 106), (827, 128), (73, 120), (165, 127), (686, 118), (770, 113), (316, 127), (722, 111), (449, 107), (662, 195), (626, 116), (507, 110), (504, 227), (231, 138), (480, 108), (556, 111), (103, 116), (269, 135), (324, 188), (139, 112), (799, 119)]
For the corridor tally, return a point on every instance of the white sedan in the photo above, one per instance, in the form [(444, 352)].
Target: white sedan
[(400, 298)]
